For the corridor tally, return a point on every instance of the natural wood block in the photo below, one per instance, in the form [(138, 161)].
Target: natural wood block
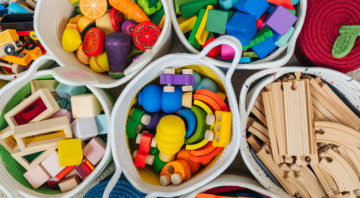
[(48, 84), (52, 165), (70, 152), (19, 156), (85, 106), (84, 128), (40, 105), (94, 150), (69, 183), (37, 176), (7, 139)]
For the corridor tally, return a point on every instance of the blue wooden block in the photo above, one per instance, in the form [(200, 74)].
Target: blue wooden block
[(242, 26), (66, 91), (16, 8), (245, 60), (263, 49), (101, 124), (294, 2), (227, 4), (282, 40), (252, 7), (270, 9)]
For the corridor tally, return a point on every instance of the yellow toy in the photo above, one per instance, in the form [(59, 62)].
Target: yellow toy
[(9, 42), (202, 34), (71, 39), (186, 24), (25, 57), (70, 152), (220, 135), (170, 136), (99, 63)]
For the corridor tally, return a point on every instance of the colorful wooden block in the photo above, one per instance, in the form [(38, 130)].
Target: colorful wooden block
[(178, 3), (84, 169), (66, 91), (39, 84), (214, 53), (192, 39), (42, 134), (62, 112), (201, 35), (216, 21), (193, 7), (283, 40), (255, 8), (40, 105), (85, 106), (69, 170), (94, 150), (265, 48), (19, 156), (187, 24), (70, 152), (63, 103), (280, 20), (53, 183), (37, 176), (295, 2), (7, 139), (51, 164), (69, 183), (285, 3), (84, 128), (261, 36), (244, 31), (101, 124), (227, 4)]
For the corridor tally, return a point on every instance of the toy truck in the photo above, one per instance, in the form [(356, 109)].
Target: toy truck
[(9, 43)]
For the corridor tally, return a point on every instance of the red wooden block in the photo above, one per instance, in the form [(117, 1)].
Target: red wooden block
[(30, 112), (214, 53), (285, 3), (53, 183), (84, 169), (260, 21), (64, 172)]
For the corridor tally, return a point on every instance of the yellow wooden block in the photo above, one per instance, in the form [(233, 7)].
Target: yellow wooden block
[(70, 152), (201, 35), (48, 84), (222, 128), (186, 24)]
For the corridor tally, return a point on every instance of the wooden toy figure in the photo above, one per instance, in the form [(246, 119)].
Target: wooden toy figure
[(170, 78), (142, 156), (176, 171)]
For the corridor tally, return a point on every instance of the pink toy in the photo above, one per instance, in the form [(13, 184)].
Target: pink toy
[(62, 112), (227, 52), (37, 176), (51, 164), (94, 150)]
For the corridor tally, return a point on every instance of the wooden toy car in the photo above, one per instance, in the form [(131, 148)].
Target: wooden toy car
[(9, 42)]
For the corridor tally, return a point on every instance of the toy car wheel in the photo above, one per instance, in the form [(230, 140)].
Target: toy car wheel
[(9, 49)]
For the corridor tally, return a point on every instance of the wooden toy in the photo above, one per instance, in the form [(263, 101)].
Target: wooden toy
[(285, 3), (255, 8), (40, 105), (39, 84), (84, 128), (171, 101), (18, 155), (149, 7), (94, 150), (191, 8), (104, 24), (220, 135), (214, 96), (85, 106), (158, 163), (201, 34), (9, 42), (84, 169), (260, 37), (7, 139), (246, 31), (206, 157), (51, 164), (265, 48), (69, 183), (207, 83), (116, 19), (190, 118), (145, 35), (150, 98), (117, 47), (196, 145), (130, 9), (70, 152), (93, 9), (61, 113), (71, 39), (140, 116), (84, 23), (128, 27), (170, 135), (142, 156), (175, 172), (214, 53), (282, 40), (208, 101), (186, 24), (93, 42), (63, 173), (186, 79), (133, 128), (185, 155), (15, 68), (15, 7), (259, 131), (63, 103), (37, 176), (66, 91), (208, 148), (42, 134), (227, 4), (191, 38), (201, 126), (187, 99), (53, 183), (81, 56), (276, 20), (101, 124)]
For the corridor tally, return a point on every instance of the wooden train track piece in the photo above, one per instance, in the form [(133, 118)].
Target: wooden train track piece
[(259, 131), (325, 114), (327, 182), (254, 143), (351, 158), (259, 111)]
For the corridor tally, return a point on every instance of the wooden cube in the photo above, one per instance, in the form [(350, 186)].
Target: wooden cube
[(40, 105), (70, 152), (52, 165), (18, 155), (63, 112), (67, 91), (94, 150), (85, 106), (37, 176), (101, 124), (84, 128), (42, 134), (48, 84), (84, 169), (69, 183)]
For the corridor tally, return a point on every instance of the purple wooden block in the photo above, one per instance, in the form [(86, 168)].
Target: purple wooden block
[(280, 20), (166, 79), (181, 79), (155, 118)]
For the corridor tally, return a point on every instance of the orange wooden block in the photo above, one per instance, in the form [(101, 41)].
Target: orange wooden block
[(175, 171), (208, 148), (185, 155), (209, 101), (285, 3), (206, 157), (214, 96)]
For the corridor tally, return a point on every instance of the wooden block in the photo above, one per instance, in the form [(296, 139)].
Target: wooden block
[(7, 139), (84, 128), (40, 105), (186, 24), (19, 156), (254, 143), (70, 152), (69, 183), (94, 150), (61, 113), (51, 164), (42, 134), (84, 169), (37, 176), (69, 170), (39, 84), (101, 124), (85, 106), (67, 91)]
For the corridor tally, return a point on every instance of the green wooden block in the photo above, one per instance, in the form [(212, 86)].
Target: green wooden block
[(260, 37), (193, 7), (178, 3), (249, 54), (216, 21), (192, 39), (292, 11), (157, 16)]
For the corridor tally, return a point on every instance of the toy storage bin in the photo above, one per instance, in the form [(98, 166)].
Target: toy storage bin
[(51, 17), (144, 180), (268, 62), (231, 180), (12, 184), (345, 85)]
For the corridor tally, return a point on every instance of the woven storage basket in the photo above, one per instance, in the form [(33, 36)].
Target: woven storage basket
[(51, 17), (345, 85), (146, 181), (231, 180), (12, 183), (268, 62)]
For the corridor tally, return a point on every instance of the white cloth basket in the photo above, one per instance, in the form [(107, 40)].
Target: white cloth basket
[(346, 85), (231, 180), (50, 20), (7, 183), (122, 157), (268, 62)]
